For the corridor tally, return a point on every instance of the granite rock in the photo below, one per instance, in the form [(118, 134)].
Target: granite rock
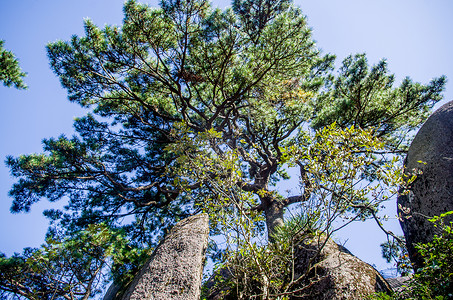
[(431, 194), (333, 273)]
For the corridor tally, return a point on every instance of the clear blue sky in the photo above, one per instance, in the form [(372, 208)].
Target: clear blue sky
[(414, 35)]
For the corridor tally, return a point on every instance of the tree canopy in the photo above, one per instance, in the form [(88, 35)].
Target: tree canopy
[(70, 268), (10, 72), (201, 109)]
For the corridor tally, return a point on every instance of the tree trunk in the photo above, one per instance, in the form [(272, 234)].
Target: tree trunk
[(274, 217)]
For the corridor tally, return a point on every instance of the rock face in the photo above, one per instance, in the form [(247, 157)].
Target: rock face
[(398, 284), (335, 274), (432, 192), (174, 270)]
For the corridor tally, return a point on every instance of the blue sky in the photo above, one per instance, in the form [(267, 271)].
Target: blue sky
[(414, 35)]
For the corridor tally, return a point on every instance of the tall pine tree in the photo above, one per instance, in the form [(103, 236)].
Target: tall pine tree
[(196, 109)]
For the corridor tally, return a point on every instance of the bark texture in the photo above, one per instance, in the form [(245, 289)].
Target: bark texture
[(174, 270)]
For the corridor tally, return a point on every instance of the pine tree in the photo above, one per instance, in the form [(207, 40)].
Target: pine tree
[(195, 108), (10, 72)]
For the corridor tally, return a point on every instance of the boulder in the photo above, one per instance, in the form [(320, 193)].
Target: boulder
[(333, 273), (431, 194), (326, 271), (174, 270)]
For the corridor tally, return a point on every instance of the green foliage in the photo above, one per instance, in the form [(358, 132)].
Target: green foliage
[(381, 296), (395, 251), (336, 159), (365, 97), (252, 269), (346, 173), (435, 279), (70, 267), (10, 72)]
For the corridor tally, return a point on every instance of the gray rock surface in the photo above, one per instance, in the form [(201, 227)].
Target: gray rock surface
[(174, 270), (335, 274), (398, 284), (331, 273), (432, 192)]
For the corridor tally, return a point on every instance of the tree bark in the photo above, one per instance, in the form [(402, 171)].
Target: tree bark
[(274, 217)]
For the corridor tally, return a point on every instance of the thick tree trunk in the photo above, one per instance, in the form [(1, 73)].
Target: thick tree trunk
[(274, 217)]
